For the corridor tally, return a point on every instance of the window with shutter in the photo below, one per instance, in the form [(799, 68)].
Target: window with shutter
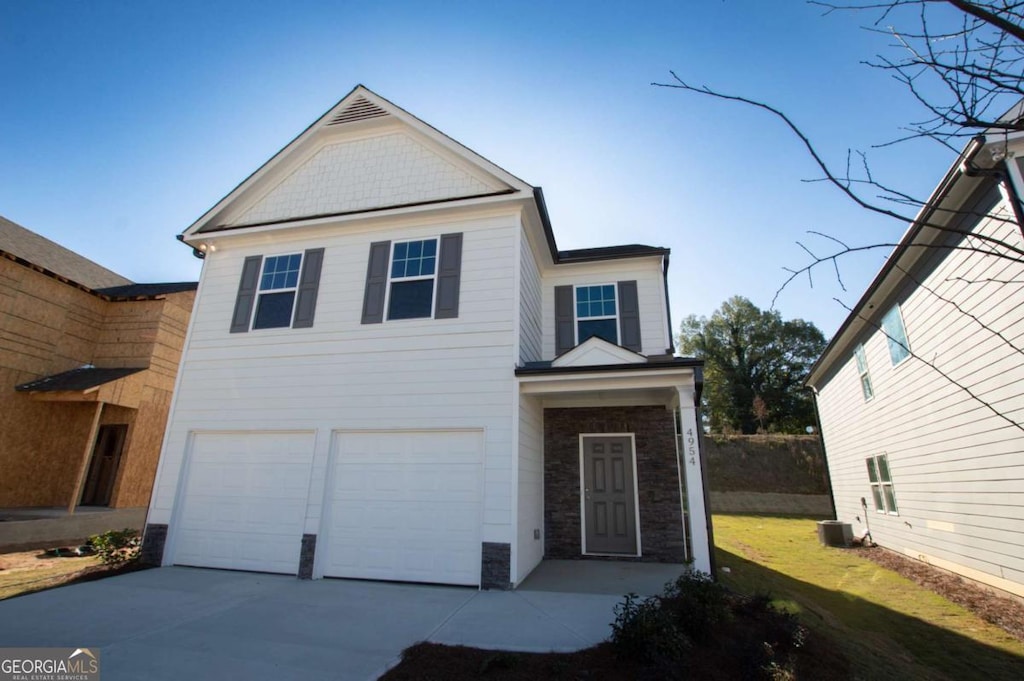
[(278, 291)]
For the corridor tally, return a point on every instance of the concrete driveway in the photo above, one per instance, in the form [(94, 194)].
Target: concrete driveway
[(187, 623)]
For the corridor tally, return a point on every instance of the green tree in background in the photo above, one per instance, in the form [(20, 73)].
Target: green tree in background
[(755, 364)]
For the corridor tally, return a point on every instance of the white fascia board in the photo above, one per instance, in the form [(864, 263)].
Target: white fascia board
[(462, 209), (605, 380)]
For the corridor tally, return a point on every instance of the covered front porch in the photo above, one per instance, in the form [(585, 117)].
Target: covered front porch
[(620, 476)]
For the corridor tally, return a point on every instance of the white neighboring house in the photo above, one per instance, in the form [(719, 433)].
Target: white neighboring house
[(393, 373), (921, 392)]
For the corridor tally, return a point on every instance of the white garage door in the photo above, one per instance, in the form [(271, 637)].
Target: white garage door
[(244, 501), (405, 506)]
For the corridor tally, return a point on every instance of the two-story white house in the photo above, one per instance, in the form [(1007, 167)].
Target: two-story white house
[(393, 373), (921, 391)]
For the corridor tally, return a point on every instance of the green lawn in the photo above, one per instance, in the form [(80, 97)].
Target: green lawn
[(887, 626)]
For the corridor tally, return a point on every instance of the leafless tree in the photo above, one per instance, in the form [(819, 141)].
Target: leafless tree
[(963, 62)]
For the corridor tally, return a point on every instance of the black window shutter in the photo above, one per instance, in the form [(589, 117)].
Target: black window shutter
[(309, 285), (449, 274), (565, 334), (629, 316), (246, 297), (376, 282)]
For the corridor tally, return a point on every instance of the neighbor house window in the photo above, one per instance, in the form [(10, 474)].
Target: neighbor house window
[(279, 281), (862, 369), (411, 279), (896, 335), (596, 313), (881, 484)]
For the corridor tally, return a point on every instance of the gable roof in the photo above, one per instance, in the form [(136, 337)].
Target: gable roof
[(32, 248), (596, 351), (365, 127)]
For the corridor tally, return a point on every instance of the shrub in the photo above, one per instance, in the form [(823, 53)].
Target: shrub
[(117, 546), (699, 627), (644, 630)]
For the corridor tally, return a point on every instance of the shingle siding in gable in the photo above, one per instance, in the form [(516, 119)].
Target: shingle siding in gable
[(954, 462), (386, 170)]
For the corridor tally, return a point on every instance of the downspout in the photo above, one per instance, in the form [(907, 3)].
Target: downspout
[(668, 309), (824, 454), (1018, 211)]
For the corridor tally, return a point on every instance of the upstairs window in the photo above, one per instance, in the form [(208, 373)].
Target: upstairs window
[(896, 335), (411, 279), (596, 313), (862, 369), (881, 484), (282, 288), (276, 298)]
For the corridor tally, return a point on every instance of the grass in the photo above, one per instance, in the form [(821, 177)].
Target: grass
[(31, 571), (887, 626)]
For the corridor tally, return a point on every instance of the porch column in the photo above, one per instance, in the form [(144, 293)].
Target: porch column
[(693, 470)]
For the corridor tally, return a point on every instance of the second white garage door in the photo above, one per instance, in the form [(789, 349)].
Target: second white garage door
[(404, 506)]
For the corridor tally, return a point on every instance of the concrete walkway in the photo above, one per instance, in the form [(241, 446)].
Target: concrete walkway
[(187, 623)]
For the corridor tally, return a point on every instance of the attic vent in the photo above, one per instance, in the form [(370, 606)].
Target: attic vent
[(360, 109)]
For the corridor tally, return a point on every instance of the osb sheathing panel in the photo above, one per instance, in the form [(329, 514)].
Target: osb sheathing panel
[(47, 327), (129, 332), (142, 451), (41, 446)]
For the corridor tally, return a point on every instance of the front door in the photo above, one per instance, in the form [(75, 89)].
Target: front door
[(609, 505), (106, 457)]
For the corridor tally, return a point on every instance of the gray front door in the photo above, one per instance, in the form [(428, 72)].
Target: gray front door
[(609, 505)]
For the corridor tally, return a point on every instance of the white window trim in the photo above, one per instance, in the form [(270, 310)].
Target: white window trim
[(260, 291), (583, 497), (576, 317), (866, 372), (889, 339), (433, 277), (882, 484)]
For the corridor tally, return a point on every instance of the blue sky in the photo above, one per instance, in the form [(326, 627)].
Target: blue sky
[(122, 122)]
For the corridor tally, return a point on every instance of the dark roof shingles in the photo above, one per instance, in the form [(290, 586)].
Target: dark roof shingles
[(82, 378)]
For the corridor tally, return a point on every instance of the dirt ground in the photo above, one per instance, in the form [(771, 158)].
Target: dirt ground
[(1005, 612)]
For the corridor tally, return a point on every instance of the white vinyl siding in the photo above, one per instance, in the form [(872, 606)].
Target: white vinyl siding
[(344, 375), (531, 487), (959, 467), (530, 322), (650, 296)]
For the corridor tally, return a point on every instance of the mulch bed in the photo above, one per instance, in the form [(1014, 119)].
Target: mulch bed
[(1006, 613)]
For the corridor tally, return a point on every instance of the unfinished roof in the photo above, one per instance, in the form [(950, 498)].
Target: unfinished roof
[(26, 245)]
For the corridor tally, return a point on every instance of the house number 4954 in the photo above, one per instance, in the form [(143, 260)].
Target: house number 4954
[(691, 447)]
